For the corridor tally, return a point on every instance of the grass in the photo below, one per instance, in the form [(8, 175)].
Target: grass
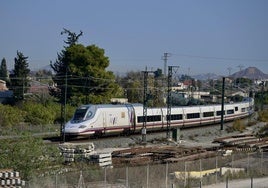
[(264, 131), (263, 116), (238, 125)]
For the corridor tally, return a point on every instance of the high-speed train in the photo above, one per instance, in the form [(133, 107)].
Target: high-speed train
[(128, 118)]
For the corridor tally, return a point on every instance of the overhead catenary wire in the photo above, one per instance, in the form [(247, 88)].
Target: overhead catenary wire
[(221, 58)]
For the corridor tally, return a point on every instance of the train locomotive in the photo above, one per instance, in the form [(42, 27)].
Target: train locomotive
[(128, 118)]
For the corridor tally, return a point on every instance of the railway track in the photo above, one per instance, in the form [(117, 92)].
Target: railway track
[(197, 143), (208, 132)]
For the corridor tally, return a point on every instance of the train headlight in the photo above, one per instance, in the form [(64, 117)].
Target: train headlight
[(82, 126)]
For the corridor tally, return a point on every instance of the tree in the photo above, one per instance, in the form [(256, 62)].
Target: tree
[(243, 82), (28, 155), (43, 73), (158, 93), (133, 86), (72, 37), (3, 70), (19, 77), (83, 71)]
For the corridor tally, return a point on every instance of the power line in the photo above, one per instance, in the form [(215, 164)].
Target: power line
[(221, 58)]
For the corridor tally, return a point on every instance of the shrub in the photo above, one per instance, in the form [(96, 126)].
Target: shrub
[(28, 155), (10, 116), (263, 115), (238, 125), (263, 132), (38, 114), (57, 111)]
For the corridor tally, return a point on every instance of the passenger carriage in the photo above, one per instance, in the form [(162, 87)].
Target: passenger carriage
[(127, 118)]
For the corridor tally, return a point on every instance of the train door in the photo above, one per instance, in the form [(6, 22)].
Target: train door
[(104, 116), (131, 117), (183, 117), (163, 118), (214, 110), (111, 120)]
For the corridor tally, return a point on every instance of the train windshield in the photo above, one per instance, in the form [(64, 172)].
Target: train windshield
[(80, 114), (83, 113)]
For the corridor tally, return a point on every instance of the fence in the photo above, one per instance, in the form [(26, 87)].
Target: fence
[(185, 174), (35, 129)]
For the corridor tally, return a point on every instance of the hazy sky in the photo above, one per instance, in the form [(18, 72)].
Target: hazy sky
[(202, 36)]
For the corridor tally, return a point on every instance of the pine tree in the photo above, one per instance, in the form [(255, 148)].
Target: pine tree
[(19, 77), (81, 72), (3, 70)]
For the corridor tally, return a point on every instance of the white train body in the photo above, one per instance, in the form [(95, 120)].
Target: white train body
[(105, 119)]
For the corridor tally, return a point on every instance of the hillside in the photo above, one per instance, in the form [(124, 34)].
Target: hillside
[(251, 73)]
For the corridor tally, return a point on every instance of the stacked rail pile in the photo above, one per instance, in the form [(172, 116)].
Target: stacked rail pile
[(76, 152), (149, 155), (85, 152), (132, 156), (10, 178), (244, 142), (102, 159)]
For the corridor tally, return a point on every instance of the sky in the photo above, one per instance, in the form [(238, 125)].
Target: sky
[(200, 36)]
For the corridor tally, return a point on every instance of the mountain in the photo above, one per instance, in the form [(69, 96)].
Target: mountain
[(250, 73)]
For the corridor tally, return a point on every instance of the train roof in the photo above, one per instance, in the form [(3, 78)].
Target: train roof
[(113, 105), (139, 105)]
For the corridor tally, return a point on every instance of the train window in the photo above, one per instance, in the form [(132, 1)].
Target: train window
[(89, 114), (208, 114), (243, 109), (80, 114), (175, 117), (155, 118), (140, 119), (230, 111), (218, 113), (236, 108), (193, 115), (149, 118)]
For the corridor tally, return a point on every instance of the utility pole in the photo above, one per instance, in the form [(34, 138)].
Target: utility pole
[(165, 58), (262, 94), (63, 106), (170, 71), (240, 69), (65, 102), (222, 102), (229, 71), (145, 100)]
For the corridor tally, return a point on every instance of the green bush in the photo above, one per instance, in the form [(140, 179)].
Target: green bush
[(10, 116), (263, 115), (238, 125), (28, 155), (32, 113), (57, 110), (38, 114), (263, 132)]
